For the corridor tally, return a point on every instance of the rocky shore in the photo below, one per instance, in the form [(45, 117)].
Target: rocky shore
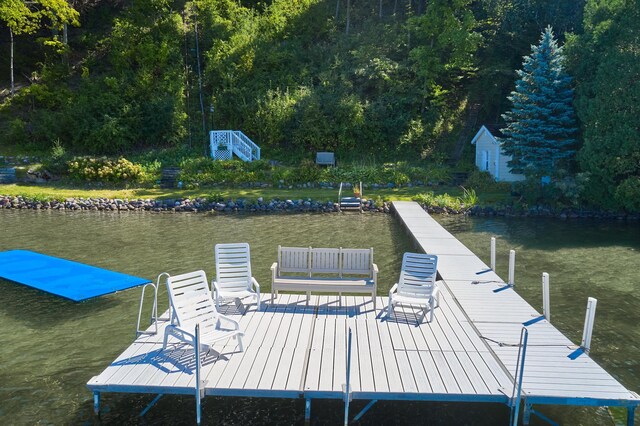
[(180, 205), (281, 206)]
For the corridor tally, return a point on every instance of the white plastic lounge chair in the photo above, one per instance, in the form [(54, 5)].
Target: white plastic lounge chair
[(191, 304), (417, 284), (233, 274)]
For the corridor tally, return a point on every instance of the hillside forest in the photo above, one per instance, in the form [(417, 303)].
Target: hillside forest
[(382, 80)]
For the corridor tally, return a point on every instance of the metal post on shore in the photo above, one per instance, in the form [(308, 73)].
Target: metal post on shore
[(546, 307)]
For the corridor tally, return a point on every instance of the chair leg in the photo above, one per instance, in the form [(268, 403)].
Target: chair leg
[(240, 344), (432, 306)]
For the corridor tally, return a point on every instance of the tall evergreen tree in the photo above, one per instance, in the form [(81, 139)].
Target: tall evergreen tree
[(541, 125)]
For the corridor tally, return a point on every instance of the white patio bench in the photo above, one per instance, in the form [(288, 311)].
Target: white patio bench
[(324, 270)]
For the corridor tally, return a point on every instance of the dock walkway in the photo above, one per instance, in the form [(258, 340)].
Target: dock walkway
[(297, 347), (556, 370)]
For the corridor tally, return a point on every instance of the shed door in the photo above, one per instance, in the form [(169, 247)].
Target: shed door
[(484, 165)]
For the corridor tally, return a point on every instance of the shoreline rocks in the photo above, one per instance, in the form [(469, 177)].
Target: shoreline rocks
[(181, 205), (260, 205)]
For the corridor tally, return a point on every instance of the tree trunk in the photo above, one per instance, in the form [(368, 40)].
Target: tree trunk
[(204, 118), (395, 7), (380, 10), (348, 16), (337, 8), (12, 81)]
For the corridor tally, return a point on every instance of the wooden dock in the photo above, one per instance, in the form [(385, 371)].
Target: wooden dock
[(297, 348)]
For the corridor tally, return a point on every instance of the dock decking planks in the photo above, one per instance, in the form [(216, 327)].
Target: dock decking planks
[(297, 345)]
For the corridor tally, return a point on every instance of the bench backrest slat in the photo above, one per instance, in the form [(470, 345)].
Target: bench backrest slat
[(357, 261), (309, 261), (325, 261), (294, 259)]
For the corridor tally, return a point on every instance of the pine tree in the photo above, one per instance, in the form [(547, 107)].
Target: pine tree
[(541, 125)]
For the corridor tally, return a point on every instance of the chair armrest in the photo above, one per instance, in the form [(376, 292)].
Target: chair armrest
[(232, 321), (214, 284), (393, 289), (274, 266), (255, 284), (435, 295)]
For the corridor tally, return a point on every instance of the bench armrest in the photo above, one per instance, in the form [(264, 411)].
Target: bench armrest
[(374, 272)]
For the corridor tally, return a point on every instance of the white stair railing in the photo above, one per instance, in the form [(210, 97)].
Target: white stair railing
[(255, 149)]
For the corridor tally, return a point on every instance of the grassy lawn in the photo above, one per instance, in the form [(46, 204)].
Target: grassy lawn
[(58, 191)]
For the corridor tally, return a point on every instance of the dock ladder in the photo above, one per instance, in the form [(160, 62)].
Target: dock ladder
[(350, 203), (225, 143)]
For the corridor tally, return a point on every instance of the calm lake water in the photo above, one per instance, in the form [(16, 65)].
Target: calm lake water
[(52, 347)]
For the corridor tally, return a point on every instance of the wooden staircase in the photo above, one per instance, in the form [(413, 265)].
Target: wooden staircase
[(225, 143), (353, 203)]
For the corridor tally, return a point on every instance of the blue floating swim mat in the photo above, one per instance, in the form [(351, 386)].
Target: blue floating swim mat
[(65, 278)]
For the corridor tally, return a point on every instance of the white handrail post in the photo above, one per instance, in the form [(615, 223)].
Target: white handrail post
[(493, 253), (588, 324), (347, 387), (198, 384), (512, 267), (546, 306)]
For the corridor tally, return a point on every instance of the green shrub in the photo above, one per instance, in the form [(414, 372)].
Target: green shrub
[(469, 197), (483, 181), (628, 194), (104, 170)]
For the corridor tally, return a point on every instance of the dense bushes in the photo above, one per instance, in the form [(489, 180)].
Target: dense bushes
[(104, 170), (204, 171)]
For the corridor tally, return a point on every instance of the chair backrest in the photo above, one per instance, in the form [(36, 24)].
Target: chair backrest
[(418, 275), (233, 266), (190, 299), (294, 259), (357, 261), (325, 260)]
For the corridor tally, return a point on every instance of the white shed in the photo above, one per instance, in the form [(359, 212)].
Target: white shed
[(490, 158)]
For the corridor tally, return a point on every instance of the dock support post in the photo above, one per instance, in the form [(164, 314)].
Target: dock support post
[(588, 324), (546, 307), (526, 414), (630, 415), (198, 384), (493, 254), (307, 411), (96, 403), (512, 267)]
